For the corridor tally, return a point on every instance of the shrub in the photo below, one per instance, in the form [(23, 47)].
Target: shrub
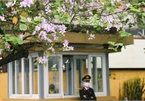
[(133, 89)]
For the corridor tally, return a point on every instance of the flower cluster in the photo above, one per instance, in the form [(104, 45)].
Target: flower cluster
[(43, 22), (31, 19)]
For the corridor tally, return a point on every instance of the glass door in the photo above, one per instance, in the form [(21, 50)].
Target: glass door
[(75, 69), (97, 66), (80, 69)]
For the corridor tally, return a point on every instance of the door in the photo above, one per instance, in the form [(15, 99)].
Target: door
[(80, 69)]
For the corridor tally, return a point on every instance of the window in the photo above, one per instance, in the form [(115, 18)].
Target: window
[(60, 77), (52, 72), (23, 80), (75, 69), (97, 82), (98, 73), (80, 65)]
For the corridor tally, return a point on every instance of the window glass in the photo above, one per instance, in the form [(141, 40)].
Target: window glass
[(30, 82), (18, 71), (81, 70), (67, 75), (34, 76), (26, 76), (53, 74), (74, 69), (97, 78), (16, 77), (13, 77)]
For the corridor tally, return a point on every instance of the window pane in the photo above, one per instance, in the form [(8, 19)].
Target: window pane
[(97, 78), (26, 76), (13, 77), (67, 75), (81, 70), (16, 77), (53, 74), (75, 69), (19, 77), (34, 76)]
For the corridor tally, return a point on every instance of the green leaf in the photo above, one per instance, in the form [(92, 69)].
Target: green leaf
[(135, 10), (15, 40), (23, 27), (23, 19), (0, 9), (111, 43), (38, 19), (19, 41), (94, 11), (119, 44), (124, 34), (141, 25), (56, 16), (112, 48)]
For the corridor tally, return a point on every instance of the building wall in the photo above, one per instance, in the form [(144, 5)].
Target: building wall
[(117, 77), (3, 86), (131, 57)]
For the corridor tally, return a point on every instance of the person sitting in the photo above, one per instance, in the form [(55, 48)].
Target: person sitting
[(86, 92), (52, 89)]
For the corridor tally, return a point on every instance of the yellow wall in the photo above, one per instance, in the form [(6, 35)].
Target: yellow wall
[(116, 79), (119, 76), (3, 86)]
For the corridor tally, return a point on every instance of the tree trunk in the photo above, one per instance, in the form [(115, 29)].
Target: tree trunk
[(15, 56)]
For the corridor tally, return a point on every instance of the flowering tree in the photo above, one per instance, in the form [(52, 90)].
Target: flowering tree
[(25, 24)]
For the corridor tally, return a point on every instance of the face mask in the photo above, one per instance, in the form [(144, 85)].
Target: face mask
[(87, 84)]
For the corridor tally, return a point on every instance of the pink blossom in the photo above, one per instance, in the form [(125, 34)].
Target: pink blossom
[(67, 1), (43, 35), (109, 19), (122, 7), (118, 27), (92, 36), (68, 48), (26, 3), (63, 67), (49, 40), (94, 5), (9, 4), (2, 18), (108, 28), (40, 60), (7, 45), (60, 9), (54, 66), (65, 43), (34, 32), (128, 5), (37, 28), (80, 7), (29, 19), (55, 37), (62, 29), (48, 27), (21, 36), (44, 59), (47, 9), (67, 61), (51, 48), (71, 48)]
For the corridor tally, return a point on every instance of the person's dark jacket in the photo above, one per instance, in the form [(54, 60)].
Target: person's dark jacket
[(87, 94)]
